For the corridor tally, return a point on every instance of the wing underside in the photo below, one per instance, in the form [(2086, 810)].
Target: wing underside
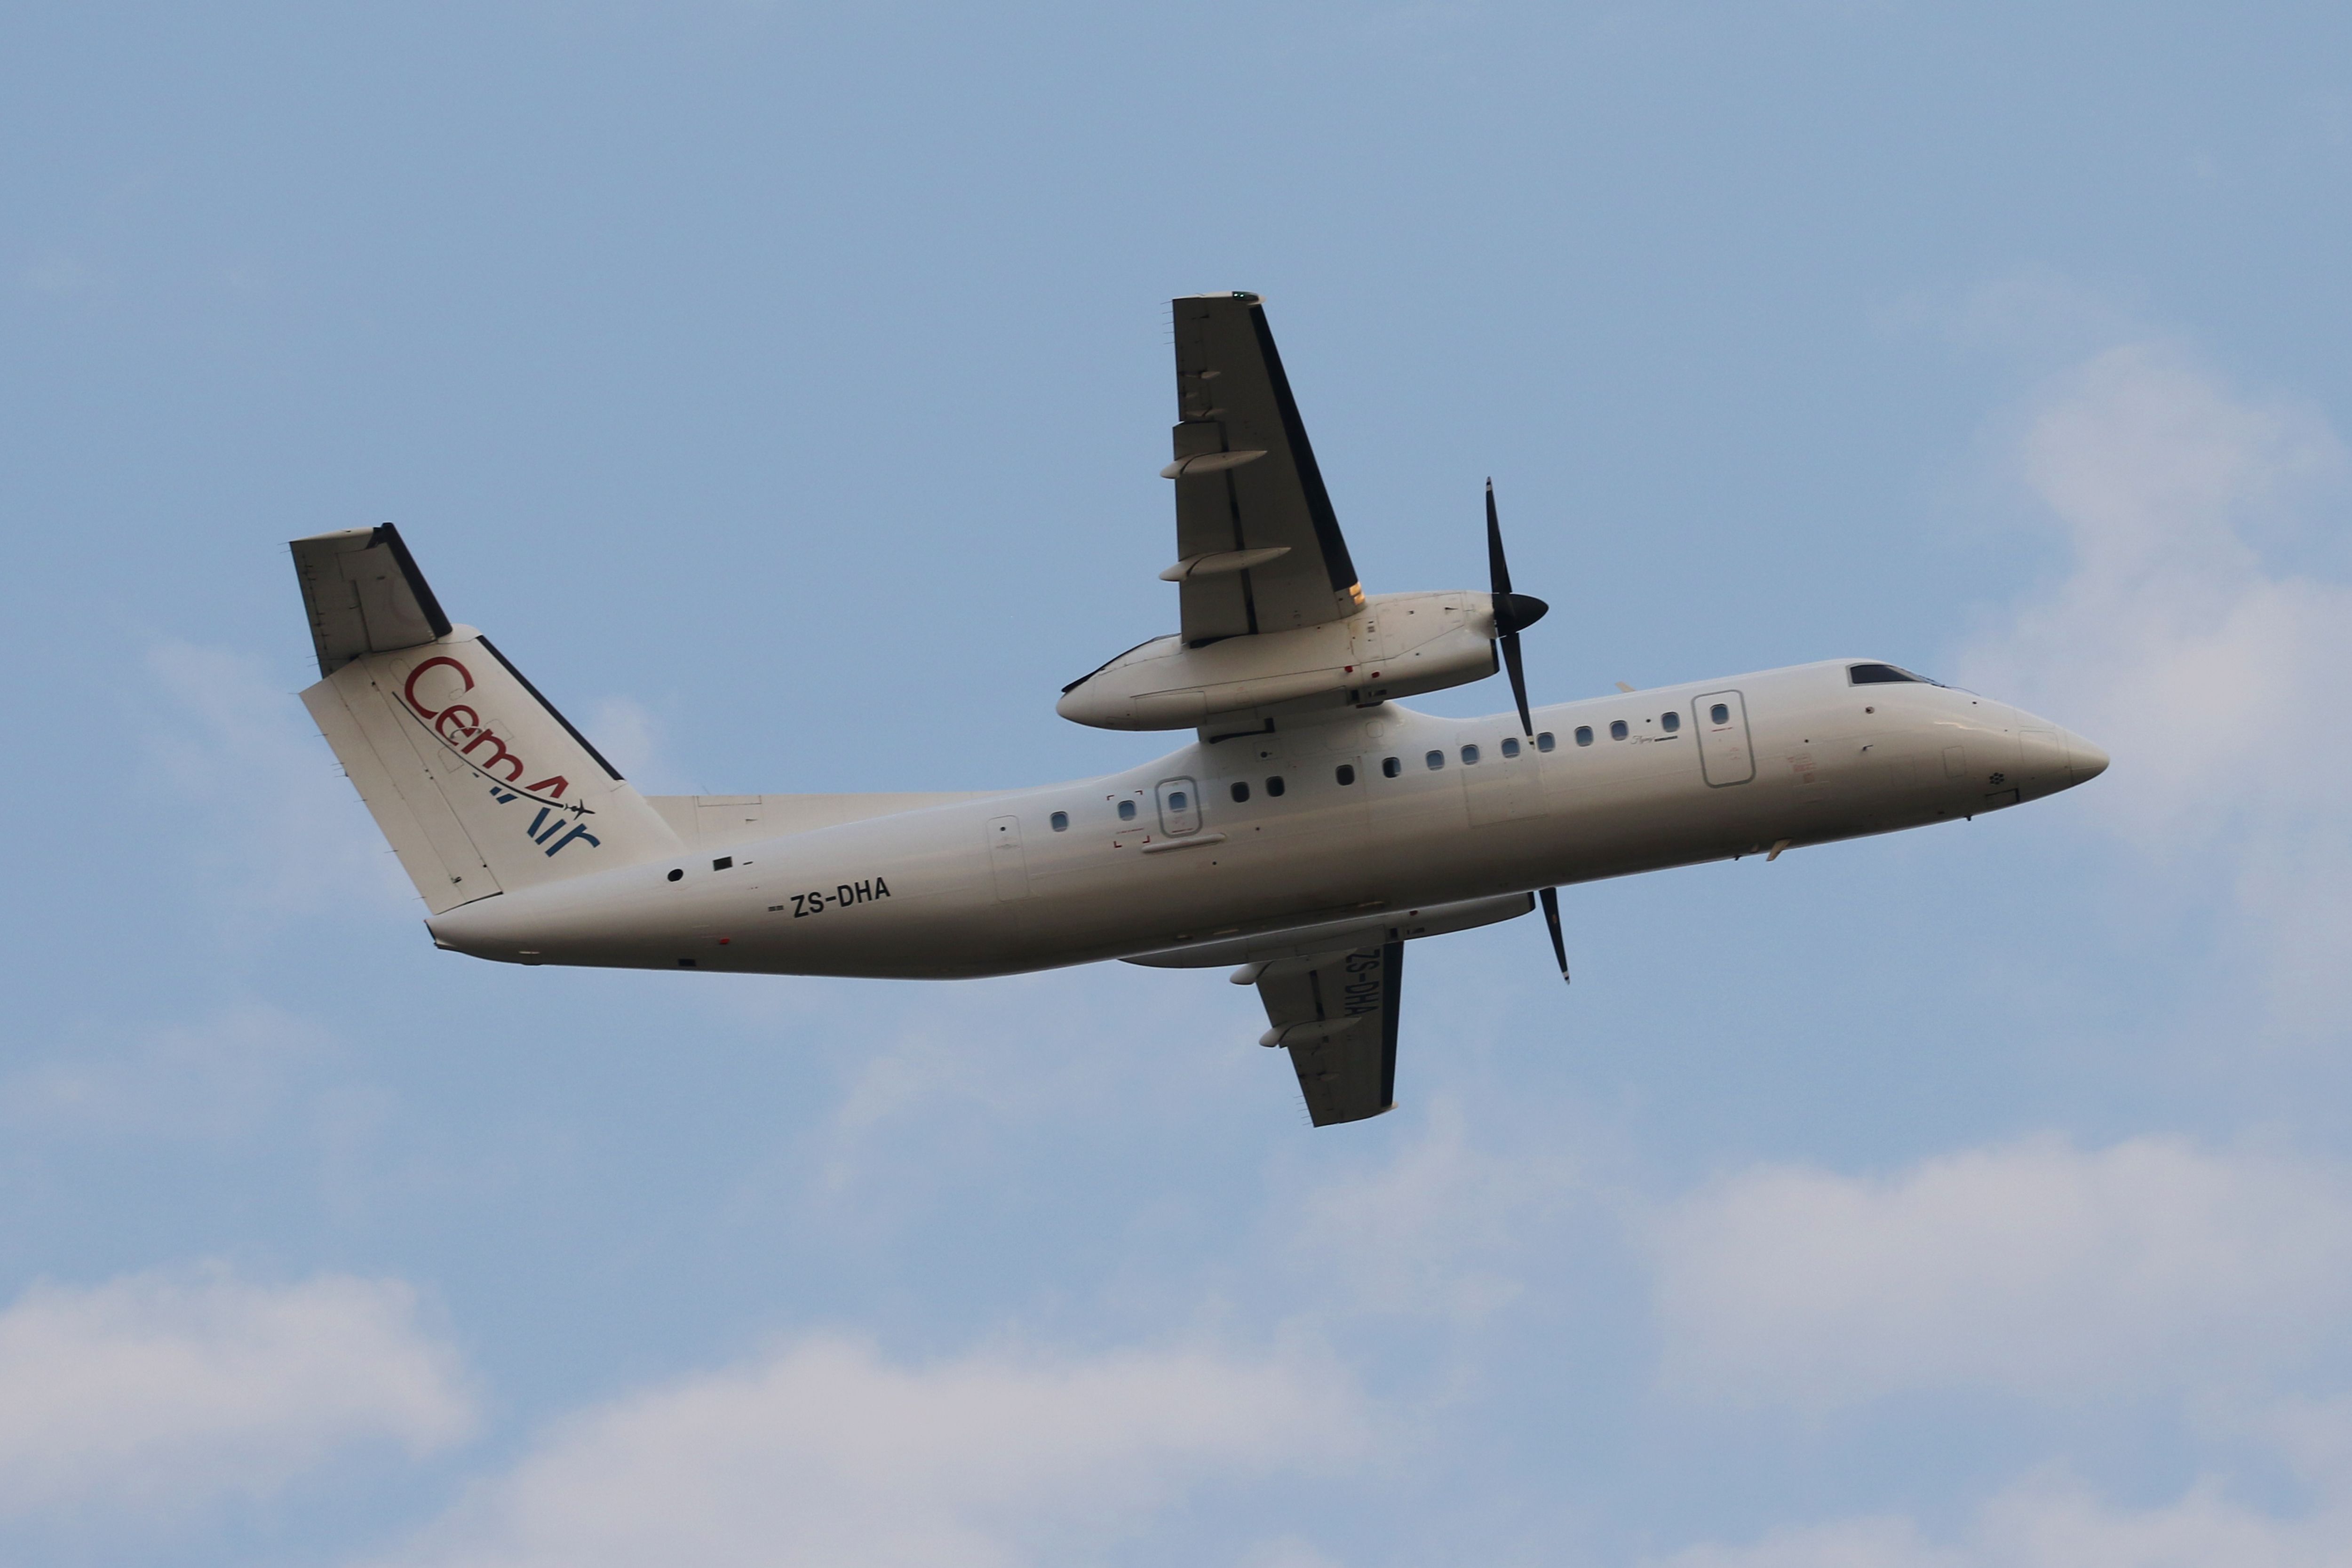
[(1335, 1013), (1259, 547)]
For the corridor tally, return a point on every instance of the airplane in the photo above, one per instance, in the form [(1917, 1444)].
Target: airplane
[(1310, 830)]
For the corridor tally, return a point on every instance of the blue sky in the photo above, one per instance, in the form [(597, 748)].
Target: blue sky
[(783, 389)]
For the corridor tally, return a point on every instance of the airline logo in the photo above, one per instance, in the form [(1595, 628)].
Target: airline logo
[(460, 727)]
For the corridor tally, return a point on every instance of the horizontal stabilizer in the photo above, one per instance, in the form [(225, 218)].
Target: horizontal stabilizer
[(364, 595)]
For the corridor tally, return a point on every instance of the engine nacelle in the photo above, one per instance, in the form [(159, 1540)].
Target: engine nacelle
[(1398, 645)]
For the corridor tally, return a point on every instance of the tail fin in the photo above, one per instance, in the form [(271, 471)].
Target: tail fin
[(479, 784)]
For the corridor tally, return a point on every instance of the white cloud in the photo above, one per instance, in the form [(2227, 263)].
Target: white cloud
[(160, 1389), (217, 1079), (286, 832), (1874, 1543), (823, 1452), (1438, 1230), (1038, 1057), (2211, 674), (633, 737), (2039, 1270), (2054, 1522), (1289, 1553)]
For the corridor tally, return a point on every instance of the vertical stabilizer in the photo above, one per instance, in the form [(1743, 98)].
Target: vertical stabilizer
[(477, 782)]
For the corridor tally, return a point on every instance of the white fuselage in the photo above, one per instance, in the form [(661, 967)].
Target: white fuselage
[(991, 885)]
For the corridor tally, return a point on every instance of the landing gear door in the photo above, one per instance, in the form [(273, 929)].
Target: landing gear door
[(1179, 807), (1725, 755)]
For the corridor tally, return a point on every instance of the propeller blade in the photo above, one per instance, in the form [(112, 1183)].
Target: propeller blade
[(1498, 570), (1514, 613), (1510, 641), (1550, 897)]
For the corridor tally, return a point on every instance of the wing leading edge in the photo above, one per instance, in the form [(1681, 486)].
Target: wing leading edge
[(1335, 1013), (1258, 547)]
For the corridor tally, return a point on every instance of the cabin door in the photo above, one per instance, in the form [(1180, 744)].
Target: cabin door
[(1505, 782), (1725, 754), (1179, 807), (1007, 864)]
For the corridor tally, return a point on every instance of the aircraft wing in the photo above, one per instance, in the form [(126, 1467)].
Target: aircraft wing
[(1335, 1013), (1258, 547)]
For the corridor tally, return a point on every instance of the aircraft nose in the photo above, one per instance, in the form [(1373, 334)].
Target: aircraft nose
[(2050, 759), (2083, 760)]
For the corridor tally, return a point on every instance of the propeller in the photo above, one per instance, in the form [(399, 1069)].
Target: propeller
[(1514, 613)]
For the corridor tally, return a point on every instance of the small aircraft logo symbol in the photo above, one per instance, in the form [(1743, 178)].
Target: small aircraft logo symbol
[(458, 727)]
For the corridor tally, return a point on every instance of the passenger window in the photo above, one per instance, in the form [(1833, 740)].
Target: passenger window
[(1584, 735), (1390, 767), (1274, 785), (1436, 759), (1543, 742), (1720, 714), (1617, 729), (1241, 792), (1061, 821), (1510, 745), (1346, 773), (1126, 811), (1179, 801), (1469, 753), (1670, 723)]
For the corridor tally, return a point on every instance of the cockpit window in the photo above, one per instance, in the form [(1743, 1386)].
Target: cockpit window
[(1882, 674)]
